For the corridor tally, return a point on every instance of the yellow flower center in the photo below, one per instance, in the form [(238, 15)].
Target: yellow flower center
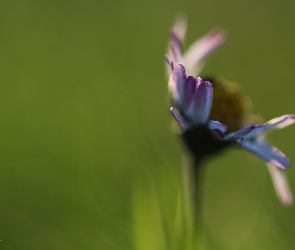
[(229, 106)]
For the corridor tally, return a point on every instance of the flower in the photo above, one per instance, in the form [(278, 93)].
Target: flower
[(193, 97), (193, 59), (199, 126)]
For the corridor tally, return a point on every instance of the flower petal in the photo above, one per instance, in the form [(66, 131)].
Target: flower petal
[(217, 125), (266, 152), (177, 36), (280, 184), (242, 132), (180, 27), (189, 92), (280, 122), (179, 118), (176, 52), (170, 63), (199, 51), (217, 128), (176, 84), (256, 131), (199, 111), (176, 40), (248, 132)]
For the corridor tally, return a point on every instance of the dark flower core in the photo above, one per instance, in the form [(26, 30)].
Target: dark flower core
[(201, 142)]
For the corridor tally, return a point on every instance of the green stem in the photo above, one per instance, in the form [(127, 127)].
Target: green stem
[(194, 184)]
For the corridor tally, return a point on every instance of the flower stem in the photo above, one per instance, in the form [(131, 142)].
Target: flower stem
[(197, 191), (193, 181)]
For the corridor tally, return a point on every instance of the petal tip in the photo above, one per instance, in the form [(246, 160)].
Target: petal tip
[(279, 164)]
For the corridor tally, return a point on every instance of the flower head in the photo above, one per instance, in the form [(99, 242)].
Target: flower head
[(193, 98)]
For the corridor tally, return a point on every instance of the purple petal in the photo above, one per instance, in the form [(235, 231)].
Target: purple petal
[(247, 132), (176, 84), (280, 184), (189, 92), (280, 122), (256, 131), (199, 80), (217, 128), (170, 63), (179, 118), (201, 106), (266, 152), (177, 36), (217, 125), (242, 132), (201, 49)]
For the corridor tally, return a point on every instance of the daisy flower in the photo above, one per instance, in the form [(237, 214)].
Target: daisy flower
[(193, 98)]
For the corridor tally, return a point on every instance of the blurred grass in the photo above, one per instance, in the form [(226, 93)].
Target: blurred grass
[(88, 160)]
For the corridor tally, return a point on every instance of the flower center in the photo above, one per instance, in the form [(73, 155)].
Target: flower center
[(229, 106)]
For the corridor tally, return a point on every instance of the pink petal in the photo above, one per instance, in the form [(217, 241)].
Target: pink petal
[(180, 27), (280, 184), (280, 122), (201, 49), (176, 40)]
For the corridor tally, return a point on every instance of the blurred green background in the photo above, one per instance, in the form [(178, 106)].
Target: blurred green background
[(88, 157)]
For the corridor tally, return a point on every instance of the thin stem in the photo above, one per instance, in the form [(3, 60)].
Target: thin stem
[(193, 181), (197, 192)]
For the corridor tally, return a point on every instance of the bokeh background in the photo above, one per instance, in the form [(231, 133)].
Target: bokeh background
[(88, 157)]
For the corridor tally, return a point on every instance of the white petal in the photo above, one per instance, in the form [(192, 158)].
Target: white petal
[(180, 27), (280, 122), (280, 184), (199, 51), (266, 152)]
